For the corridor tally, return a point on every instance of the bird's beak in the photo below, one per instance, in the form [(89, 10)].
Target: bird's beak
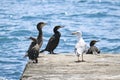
[(74, 33), (62, 26), (44, 24), (98, 41)]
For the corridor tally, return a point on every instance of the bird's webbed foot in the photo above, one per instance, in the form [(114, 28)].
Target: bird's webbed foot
[(51, 52), (82, 60), (35, 61)]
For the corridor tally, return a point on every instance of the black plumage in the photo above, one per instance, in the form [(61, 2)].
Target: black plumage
[(53, 41), (33, 51), (93, 49)]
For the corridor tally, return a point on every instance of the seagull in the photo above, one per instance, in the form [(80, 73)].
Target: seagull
[(80, 47), (93, 49)]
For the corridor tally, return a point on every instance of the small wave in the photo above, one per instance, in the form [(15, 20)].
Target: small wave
[(21, 33), (28, 18), (7, 40), (111, 40), (9, 62), (82, 1), (110, 3), (3, 78), (101, 2), (117, 49), (96, 15), (114, 40)]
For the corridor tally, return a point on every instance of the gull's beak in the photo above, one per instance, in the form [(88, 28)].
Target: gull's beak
[(74, 33)]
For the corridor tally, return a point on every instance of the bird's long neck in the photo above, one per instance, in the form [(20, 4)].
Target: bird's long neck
[(79, 37), (56, 31), (92, 44), (57, 34), (39, 38)]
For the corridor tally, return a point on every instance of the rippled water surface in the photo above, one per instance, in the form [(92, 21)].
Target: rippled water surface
[(97, 19)]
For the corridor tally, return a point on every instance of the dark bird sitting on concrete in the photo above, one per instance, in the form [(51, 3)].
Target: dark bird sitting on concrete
[(33, 51), (93, 49), (53, 41)]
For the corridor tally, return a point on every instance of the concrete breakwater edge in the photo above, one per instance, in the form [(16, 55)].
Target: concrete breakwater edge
[(65, 67)]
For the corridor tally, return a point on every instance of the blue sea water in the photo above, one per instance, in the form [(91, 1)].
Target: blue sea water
[(97, 19)]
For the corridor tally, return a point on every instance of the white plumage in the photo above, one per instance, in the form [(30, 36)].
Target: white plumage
[(80, 47)]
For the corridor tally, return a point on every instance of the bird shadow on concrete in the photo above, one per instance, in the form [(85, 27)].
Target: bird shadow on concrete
[(79, 61)]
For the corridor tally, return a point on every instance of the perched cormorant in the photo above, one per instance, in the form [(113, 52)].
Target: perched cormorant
[(53, 41), (93, 49), (80, 47), (33, 51)]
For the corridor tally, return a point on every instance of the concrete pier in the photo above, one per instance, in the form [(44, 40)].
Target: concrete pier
[(65, 67)]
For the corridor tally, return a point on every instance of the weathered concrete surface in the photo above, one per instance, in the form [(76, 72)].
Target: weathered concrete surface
[(64, 67)]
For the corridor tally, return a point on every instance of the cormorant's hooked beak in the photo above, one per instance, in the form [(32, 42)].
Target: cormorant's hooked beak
[(97, 41), (40, 25), (61, 26), (44, 24)]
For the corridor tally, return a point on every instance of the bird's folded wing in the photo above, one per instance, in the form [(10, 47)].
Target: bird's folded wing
[(52, 38)]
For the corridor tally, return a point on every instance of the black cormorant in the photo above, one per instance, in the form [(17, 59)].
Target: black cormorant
[(33, 51), (53, 41), (93, 49)]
